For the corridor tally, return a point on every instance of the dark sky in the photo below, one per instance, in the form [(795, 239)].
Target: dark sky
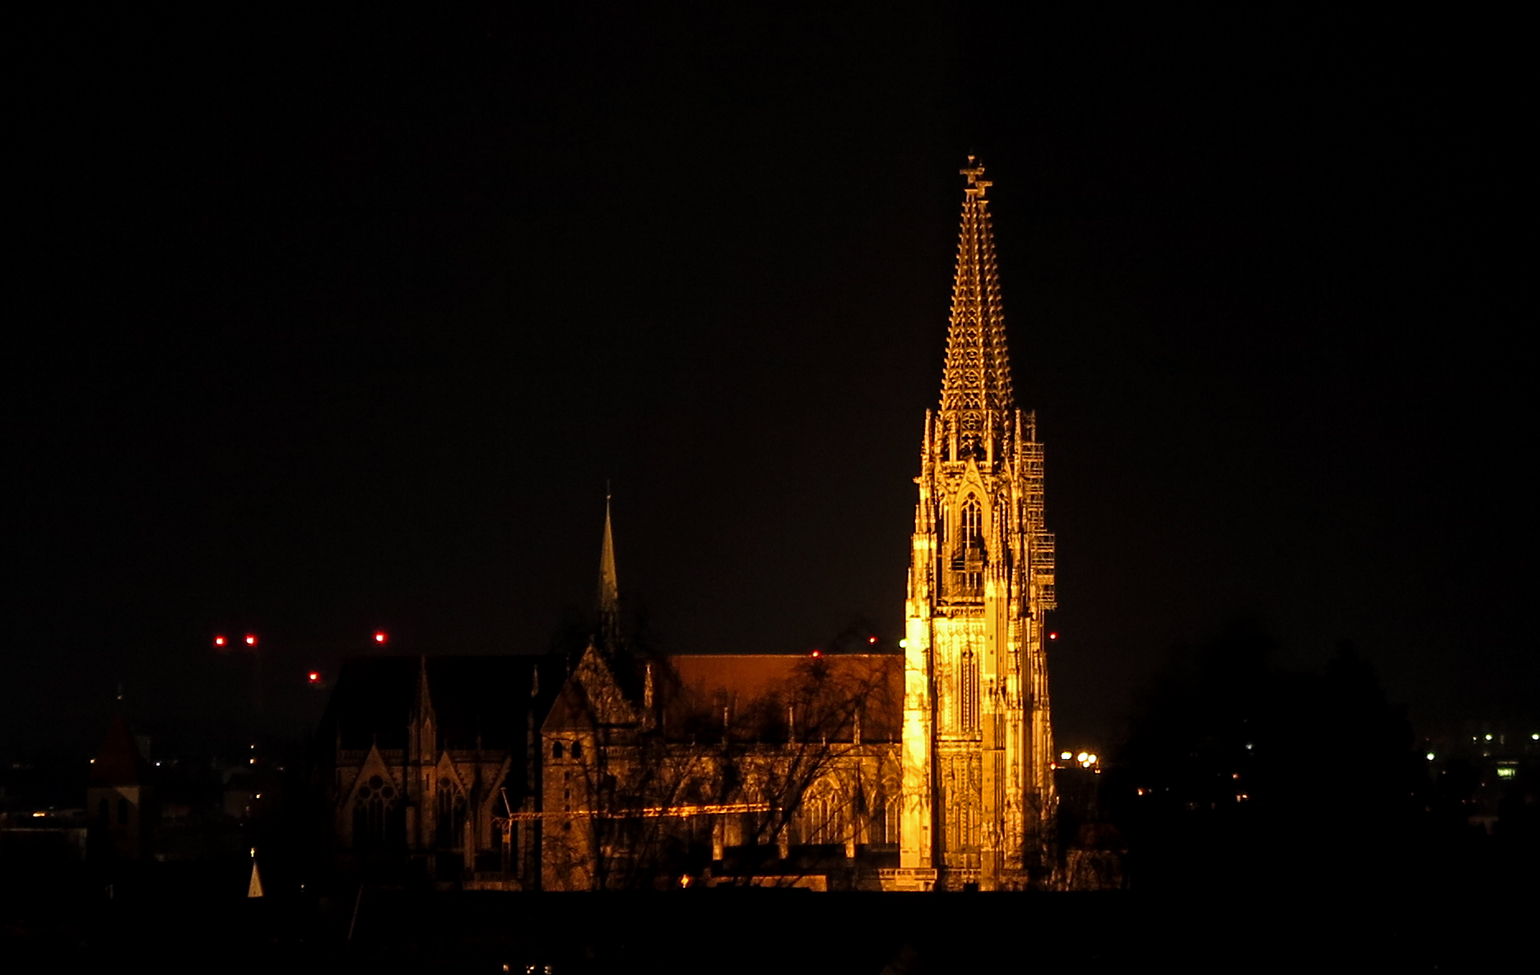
[(325, 321)]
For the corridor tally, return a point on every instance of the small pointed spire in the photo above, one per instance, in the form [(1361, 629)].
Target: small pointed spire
[(424, 697), (609, 587), (254, 885)]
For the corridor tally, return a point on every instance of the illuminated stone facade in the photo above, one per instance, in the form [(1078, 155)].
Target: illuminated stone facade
[(739, 769), (977, 745), (930, 768)]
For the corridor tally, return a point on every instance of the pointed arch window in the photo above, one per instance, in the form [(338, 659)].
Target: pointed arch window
[(375, 818), (450, 831), (972, 529), (969, 558)]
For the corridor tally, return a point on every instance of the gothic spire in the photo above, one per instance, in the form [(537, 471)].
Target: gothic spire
[(978, 369), (609, 588)]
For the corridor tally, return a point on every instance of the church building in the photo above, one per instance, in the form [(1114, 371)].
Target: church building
[(929, 768)]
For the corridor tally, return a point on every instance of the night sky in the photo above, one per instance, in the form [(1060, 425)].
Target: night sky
[(326, 321)]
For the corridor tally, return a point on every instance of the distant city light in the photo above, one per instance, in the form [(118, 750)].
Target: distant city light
[(379, 636), (251, 640), (1065, 756), (1535, 737), (220, 641), (39, 815), (1489, 737), (1430, 756)]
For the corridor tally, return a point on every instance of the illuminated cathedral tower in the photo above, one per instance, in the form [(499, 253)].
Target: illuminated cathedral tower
[(977, 747)]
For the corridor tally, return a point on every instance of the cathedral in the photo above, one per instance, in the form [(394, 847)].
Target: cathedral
[(925, 769)]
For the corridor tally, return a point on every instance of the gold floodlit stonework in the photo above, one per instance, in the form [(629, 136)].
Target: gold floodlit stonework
[(977, 744), (859, 768)]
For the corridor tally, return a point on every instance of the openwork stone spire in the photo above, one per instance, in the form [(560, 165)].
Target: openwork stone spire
[(978, 370), (979, 802)]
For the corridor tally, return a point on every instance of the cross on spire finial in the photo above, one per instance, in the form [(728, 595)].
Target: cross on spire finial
[(977, 379), (973, 171)]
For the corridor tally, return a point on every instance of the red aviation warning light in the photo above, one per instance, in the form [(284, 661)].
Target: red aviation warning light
[(818, 653), (314, 677), (1053, 635), (220, 641), (379, 636), (871, 639), (251, 640)]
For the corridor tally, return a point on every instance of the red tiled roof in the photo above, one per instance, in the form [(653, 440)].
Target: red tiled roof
[(841, 684), (119, 761)]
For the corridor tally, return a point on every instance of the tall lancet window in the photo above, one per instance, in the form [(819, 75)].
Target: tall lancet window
[(972, 528), (969, 691), (451, 816), (971, 542)]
